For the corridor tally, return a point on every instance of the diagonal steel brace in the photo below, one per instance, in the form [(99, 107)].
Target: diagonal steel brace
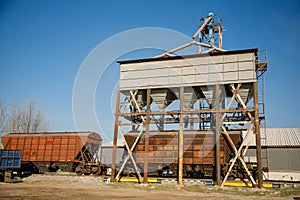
[(237, 154), (132, 159)]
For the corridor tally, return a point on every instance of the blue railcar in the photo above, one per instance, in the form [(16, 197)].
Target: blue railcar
[(10, 159)]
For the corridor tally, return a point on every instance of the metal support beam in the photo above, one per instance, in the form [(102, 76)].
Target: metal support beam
[(130, 150), (132, 159), (202, 27), (180, 139), (165, 112), (116, 126), (147, 136), (217, 134), (130, 101), (238, 156), (192, 119), (128, 156), (257, 138), (136, 104)]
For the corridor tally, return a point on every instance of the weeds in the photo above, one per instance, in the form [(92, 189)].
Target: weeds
[(273, 192)]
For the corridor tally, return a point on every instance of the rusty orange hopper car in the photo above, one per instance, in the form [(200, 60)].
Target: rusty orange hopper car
[(50, 151), (198, 157)]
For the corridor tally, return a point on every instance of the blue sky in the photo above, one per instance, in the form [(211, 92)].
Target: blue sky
[(43, 44)]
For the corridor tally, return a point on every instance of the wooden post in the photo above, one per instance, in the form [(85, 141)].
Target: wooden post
[(180, 138), (257, 138), (116, 127), (147, 137), (217, 134)]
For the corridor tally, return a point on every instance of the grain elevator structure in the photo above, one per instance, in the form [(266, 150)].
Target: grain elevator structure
[(210, 97)]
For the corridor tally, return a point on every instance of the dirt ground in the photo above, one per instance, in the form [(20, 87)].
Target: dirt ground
[(88, 187)]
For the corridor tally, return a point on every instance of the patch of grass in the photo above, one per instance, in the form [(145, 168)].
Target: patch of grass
[(197, 188), (239, 191), (227, 190), (288, 191), (275, 192), (161, 187), (158, 187), (122, 185)]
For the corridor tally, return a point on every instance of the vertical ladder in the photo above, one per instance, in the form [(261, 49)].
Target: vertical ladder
[(262, 62)]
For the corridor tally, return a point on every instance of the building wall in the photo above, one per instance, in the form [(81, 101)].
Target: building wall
[(284, 159), (279, 158), (204, 70), (106, 156)]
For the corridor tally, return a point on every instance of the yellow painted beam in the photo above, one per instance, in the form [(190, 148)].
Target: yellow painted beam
[(135, 180), (243, 184)]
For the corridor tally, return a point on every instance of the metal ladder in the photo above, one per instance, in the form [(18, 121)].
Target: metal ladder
[(262, 63)]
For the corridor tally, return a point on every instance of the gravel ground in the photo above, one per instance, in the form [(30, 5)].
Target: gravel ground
[(67, 186)]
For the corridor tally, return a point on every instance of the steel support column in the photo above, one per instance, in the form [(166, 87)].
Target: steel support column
[(217, 134), (147, 136), (180, 138), (257, 138), (116, 126)]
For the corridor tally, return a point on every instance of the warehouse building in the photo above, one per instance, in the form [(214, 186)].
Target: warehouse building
[(280, 152)]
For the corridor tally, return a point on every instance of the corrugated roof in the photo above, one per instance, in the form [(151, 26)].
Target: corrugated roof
[(280, 137)]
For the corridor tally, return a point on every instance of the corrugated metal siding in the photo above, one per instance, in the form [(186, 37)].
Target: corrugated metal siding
[(284, 159), (279, 159), (281, 137), (189, 71)]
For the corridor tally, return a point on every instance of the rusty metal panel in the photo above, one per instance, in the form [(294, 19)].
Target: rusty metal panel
[(48, 146), (198, 147)]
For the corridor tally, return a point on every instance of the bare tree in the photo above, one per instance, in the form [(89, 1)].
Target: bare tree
[(24, 119), (2, 118)]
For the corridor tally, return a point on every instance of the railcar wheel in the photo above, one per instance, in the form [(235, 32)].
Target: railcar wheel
[(78, 171)]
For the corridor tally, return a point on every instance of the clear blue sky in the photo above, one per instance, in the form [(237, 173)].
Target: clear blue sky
[(43, 43)]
